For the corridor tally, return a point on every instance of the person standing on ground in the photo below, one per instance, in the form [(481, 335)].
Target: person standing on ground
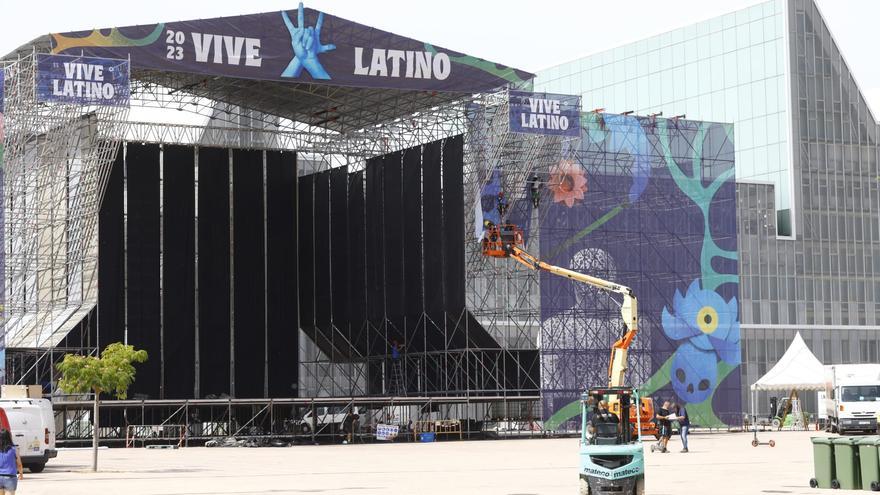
[(665, 427), (10, 464), (684, 423)]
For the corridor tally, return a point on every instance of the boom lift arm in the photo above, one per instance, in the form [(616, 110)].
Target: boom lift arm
[(504, 242)]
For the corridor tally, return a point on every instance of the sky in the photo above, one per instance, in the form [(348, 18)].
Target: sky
[(526, 35)]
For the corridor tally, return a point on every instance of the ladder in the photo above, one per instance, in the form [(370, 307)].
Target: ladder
[(797, 422), (396, 385)]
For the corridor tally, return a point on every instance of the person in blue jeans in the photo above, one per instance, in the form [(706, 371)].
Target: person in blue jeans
[(10, 464), (684, 423)]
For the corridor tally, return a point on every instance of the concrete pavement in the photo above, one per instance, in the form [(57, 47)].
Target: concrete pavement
[(718, 464)]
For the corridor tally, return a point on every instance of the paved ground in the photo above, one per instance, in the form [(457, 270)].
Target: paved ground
[(718, 464)]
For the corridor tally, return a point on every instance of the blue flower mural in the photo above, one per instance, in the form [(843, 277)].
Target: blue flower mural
[(706, 321), (626, 134)]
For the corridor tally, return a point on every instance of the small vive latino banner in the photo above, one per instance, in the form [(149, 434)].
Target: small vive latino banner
[(82, 80), (545, 113), (299, 45)]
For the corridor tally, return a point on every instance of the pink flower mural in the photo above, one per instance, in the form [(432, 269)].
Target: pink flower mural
[(568, 183)]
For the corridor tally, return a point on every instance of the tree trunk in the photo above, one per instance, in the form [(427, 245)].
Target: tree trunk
[(95, 432)]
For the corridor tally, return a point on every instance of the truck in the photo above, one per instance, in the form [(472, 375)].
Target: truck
[(325, 416), (852, 397)]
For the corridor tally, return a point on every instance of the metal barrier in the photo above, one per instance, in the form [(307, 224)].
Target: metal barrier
[(438, 427), (295, 420), (154, 433)]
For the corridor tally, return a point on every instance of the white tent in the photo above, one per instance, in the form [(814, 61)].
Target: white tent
[(797, 369)]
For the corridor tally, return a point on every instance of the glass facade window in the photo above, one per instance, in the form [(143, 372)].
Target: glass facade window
[(729, 71)]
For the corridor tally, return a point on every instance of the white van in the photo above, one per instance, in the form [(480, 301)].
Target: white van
[(32, 424), (852, 397)]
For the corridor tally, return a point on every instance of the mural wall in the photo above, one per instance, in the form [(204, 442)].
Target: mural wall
[(2, 229), (648, 203)]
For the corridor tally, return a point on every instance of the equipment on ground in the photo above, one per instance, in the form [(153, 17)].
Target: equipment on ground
[(852, 397), (506, 241), (755, 441), (612, 459), (612, 455), (789, 414)]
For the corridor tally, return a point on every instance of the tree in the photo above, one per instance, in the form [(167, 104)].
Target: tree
[(112, 373)]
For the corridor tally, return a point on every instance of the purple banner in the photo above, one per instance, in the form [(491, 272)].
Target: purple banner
[(650, 204), (82, 80), (2, 225), (545, 113), (302, 45)]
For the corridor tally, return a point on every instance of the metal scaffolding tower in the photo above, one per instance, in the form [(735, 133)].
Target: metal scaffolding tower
[(56, 164)]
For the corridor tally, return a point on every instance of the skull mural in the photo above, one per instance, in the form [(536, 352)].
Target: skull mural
[(694, 373)]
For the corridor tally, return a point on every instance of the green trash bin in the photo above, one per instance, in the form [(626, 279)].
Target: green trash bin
[(869, 465), (846, 464), (823, 462)]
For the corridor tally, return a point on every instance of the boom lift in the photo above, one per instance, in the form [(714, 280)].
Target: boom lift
[(611, 455), (504, 242)]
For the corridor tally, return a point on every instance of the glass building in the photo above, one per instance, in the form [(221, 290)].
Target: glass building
[(806, 156)]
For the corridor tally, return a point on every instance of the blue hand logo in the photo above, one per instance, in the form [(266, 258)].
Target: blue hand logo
[(306, 42)]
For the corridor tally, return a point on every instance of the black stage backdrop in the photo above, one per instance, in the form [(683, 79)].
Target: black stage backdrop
[(453, 228), (339, 273), (214, 331), (392, 220), (178, 271), (111, 259), (432, 201), (375, 258), (322, 265), (357, 303), (144, 328), (174, 323), (248, 273), (412, 249), (281, 296), (401, 275), (306, 239)]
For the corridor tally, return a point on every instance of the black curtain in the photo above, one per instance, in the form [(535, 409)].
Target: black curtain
[(357, 253), (111, 260), (142, 165), (178, 271), (433, 238), (375, 257), (306, 260), (453, 241), (323, 295), (392, 208), (314, 261), (248, 270), (213, 237), (281, 278), (412, 248), (339, 247), (453, 225)]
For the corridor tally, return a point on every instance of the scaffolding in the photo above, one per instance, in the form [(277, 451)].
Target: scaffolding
[(257, 422), (52, 208), (57, 159)]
